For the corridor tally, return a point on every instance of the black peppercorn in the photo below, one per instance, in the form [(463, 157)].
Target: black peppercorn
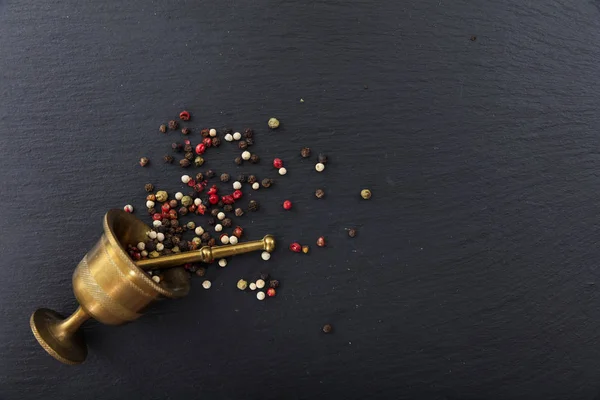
[(352, 232), (177, 147), (216, 142), (249, 142), (248, 133), (188, 148), (254, 159), (225, 177), (168, 159), (174, 223), (238, 160), (210, 174), (161, 229), (239, 212), (166, 251), (185, 131), (241, 178), (212, 242), (227, 131), (264, 276), (166, 223), (253, 205), (152, 211), (184, 245), (214, 212), (189, 156), (149, 187), (150, 246), (320, 193), (327, 328), (322, 158), (251, 179), (205, 132), (220, 204), (212, 222), (205, 237), (173, 125), (473, 38), (226, 222), (168, 243), (199, 177), (242, 145), (183, 211), (305, 152), (162, 128), (274, 283), (184, 163), (227, 208), (267, 182), (201, 271)]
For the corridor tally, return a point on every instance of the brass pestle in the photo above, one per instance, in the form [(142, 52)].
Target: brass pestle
[(113, 289)]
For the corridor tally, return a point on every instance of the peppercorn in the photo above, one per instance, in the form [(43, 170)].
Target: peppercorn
[(168, 243), (237, 136), (267, 182), (198, 161), (216, 142), (241, 178), (238, 160), (210, 174), (322, 158), (205, 133), (199, 177), (277, 163), (173, 125), (168, 159), (243, 145), (184, 163), (174, 222), (320, 167), (239, 212), (185, 130), (327, 328), (177, 147), (287, 205), (189, 156), (149, 187), (184, 115), (226, 222), (144, 161), (248, 133), (162, 128), (152, 211), (251, 179), (205, 237), (305, 152), (186, 201), (227, 131), (183, 211), (320, 193), (225, 177), (295, 247), (214, 212), (249, 142), (212, 242), (242, 284), (188, 148), (321, 241), (172, 203), (238, 232), (271, 292), (212, 222), (273, 123), (184, 245), (264, 276), (228, 208), (473, 38), (254, 159), (253, 205), (365, 194), (352, 232), (274, 283), (201, 271), (151, 197), (166, 223), (161, 196), (305, 249)]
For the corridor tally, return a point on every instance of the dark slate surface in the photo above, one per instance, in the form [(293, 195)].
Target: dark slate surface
[(474, 275)]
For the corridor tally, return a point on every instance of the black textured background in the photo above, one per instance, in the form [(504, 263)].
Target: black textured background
[(474, 275)]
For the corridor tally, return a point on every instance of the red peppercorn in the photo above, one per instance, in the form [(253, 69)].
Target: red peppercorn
[(198, 187), (287, 205), (165, 215), (157, 217), (213, 190), (137, 255), (192, 208), (228, 199), (207, 142), (200, 149), (278, 163), (201, 209), (271, 292), (165, 207), (295, 247), (184, 116), (191, 183), (321, 241), (187, 141), (237, 194), (238, 232), (173, 214), (213, 199)]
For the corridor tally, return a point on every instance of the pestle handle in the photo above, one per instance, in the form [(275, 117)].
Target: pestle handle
[(207, 254)]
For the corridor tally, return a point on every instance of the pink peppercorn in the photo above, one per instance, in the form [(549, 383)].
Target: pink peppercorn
[(184, 116), (200, 149), (213, 199), (207, 142), (237, 194), (278, 163), (228, 199), (271, 292), (295, 247), (156, 217), (287, 205), (165, 207)]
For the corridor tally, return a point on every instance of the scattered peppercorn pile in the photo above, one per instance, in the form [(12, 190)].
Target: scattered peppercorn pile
[(217, 200)]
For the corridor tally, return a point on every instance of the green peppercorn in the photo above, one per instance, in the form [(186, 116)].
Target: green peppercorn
[(153, 254), (253, 205), (149, 187), (242, 284), (273, 123), (365, 194), (187, 201), (168, 159), (162, 196), (196, 240), (198, 161), (184, 163)]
